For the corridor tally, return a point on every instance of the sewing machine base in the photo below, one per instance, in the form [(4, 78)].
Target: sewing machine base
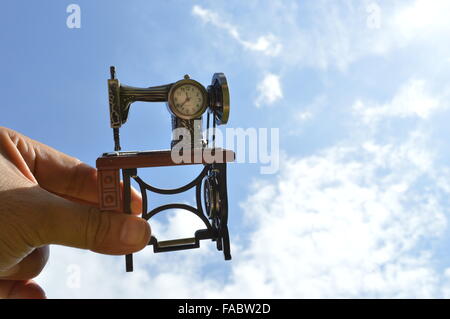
[(113, 197)]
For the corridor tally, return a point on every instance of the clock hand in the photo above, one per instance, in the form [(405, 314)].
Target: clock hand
[(187, 99)]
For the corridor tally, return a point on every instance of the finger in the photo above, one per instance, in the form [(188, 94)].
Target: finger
[(19, 289), (30, 267), (53, 170), (76, 225), (136, 200), (57, 172)]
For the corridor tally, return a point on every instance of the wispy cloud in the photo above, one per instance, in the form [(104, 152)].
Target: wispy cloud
[(340, 229), (266, 44), (422, 18), (351, 220), (331, 39), (354, 219), (303, 116), (412, 100)]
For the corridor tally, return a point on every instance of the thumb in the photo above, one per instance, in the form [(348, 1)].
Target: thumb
[(76, 225)]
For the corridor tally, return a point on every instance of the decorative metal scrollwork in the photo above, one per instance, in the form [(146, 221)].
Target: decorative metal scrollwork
[(215, 216)]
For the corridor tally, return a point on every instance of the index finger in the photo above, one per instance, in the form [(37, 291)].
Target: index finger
[(60, 173)]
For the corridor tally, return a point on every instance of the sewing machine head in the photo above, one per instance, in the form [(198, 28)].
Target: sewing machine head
[(187, 100)]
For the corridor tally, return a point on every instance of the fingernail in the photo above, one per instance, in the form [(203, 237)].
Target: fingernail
[(9, 272), (133, 231)]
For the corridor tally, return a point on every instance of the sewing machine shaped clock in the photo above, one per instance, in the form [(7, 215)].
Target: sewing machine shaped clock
[(187, 100)]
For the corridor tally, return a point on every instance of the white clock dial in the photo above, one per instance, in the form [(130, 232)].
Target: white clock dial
[(188, 99)]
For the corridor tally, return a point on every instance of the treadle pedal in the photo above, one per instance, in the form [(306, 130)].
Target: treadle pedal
[(176, 242)]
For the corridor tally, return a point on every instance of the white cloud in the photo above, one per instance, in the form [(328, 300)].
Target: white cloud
[(180, 224), (353, 220), (422, 18), (339, 34), (334, 40), (155, 275), (269, 90), (330, 226), (412, 100), (266, 44), (307, 112), (303, 116), (339, 228)]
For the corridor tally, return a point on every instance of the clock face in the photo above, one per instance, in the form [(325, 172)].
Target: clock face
[(188, 99)]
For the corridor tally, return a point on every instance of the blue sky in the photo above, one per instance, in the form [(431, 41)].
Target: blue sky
[(359, 207)]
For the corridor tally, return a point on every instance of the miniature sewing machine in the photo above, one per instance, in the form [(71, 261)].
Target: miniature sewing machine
[(186, 101)]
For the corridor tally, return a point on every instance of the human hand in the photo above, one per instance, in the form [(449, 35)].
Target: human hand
[(47, 197)]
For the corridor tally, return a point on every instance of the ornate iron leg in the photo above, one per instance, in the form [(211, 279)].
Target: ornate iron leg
[(213, 179), (127, 173)]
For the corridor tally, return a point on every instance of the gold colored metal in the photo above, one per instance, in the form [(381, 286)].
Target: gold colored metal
[(121, 97), (176, 242), (216, 98), (220, 98)]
